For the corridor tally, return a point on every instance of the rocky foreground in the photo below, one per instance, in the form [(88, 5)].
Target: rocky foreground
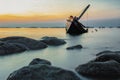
[(106, 64), (16, 44), (40, 69)]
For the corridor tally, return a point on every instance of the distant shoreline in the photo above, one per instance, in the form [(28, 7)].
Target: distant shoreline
[(32, 27), (58, 27)]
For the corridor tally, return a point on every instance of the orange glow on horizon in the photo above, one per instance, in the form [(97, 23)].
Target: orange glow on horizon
[(19, 18), (37, 17), (55, 10), (33, 17)]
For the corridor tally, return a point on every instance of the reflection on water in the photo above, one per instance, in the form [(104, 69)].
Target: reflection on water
[(93, 42), (32, 32)]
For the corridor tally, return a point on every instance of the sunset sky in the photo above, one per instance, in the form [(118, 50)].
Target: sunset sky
[(40, 10), (55, 10)]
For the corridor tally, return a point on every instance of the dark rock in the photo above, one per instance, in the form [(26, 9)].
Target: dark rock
[(10, 48), (10, 45), (53, 41), (107, 63), (42, 72), (96, 30), (109, 68), (31, 44), (108, 56), (39, 61), (75, 47), (108, 52)]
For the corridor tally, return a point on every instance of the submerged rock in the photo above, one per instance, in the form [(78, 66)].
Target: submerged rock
[(10, 48), (53, 41), (40, 61), (42, 72), (107, 63), (74, 47)]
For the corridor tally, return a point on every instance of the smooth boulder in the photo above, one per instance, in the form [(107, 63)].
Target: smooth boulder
[(109, 68), (11, 48), (108, 52), (53, 41), (31, 44), (106, 63), (107, 56), (42, 72), (74, 47), (39, 61)]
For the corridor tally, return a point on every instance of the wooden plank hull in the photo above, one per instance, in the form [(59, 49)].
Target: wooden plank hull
[(75, 28)]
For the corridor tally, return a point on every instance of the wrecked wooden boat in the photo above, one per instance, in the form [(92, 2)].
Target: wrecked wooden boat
[(74, 27)]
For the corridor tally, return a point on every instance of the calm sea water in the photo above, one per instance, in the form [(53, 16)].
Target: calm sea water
[(93, 42)]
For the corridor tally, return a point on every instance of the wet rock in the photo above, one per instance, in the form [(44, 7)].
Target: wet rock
[(40, 61), (31, 44), (107, 52), (53, 41), (107, 63), (96, 30), (11, 48), (42, 72), (109, 68), (74, 47), (108, 56)]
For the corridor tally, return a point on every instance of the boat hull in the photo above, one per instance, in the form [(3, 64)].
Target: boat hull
[(75, 28)]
